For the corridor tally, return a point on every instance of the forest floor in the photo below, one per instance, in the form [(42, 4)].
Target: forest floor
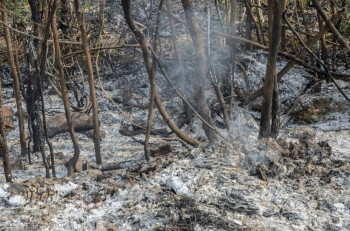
[(301, 181)]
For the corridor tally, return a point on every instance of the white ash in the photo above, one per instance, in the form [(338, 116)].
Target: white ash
[(213, 184)]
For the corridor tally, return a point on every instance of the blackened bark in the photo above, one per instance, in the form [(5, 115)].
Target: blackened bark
[(40, 90), (32, 98), (32, 105), (248, 24), (275, 113), (275, 10), (199, 77), (34, 7), (233, 49), (188, 112), (324, 50), (64, 24)]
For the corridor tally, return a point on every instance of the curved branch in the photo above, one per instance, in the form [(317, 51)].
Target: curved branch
[(144, 47)]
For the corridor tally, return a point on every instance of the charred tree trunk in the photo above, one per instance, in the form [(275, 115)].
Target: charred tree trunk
[(50, 17), (15, 77), (250, 21), (261, 20), (32, 98), (233, 49), (188, 113), (96, 135), (40, 74), (324, 50), (248, 24), (73, 161), (200, 72), (102, 17), (275, 10)]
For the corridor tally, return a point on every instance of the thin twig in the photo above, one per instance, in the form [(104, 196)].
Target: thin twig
[(100, 48), (36, 37)]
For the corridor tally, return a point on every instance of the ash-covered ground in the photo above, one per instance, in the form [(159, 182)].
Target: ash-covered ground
[(298, 182)]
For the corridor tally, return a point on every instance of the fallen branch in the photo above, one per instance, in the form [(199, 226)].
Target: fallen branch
[(120, 165), (139, 166), (126, 132)]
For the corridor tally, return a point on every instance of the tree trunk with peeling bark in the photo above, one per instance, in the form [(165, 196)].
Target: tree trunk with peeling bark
[(233, 48)]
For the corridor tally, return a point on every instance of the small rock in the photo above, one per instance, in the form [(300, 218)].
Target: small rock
[(90, 133), (112, 227), (100, 227)]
